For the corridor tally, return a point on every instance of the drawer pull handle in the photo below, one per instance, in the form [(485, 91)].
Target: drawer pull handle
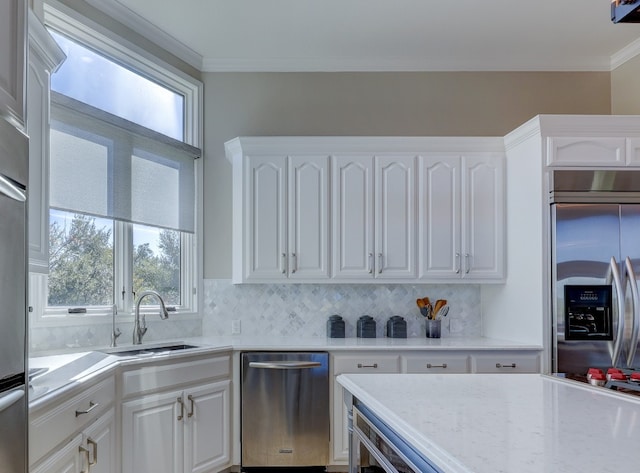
[(500, 365), (360, 365), (443, 365), (181, 416), (92, 406), (190, 397), (94, 448)]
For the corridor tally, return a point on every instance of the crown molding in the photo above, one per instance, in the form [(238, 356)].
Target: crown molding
[(373, 64), (625, 54), (145, 28)]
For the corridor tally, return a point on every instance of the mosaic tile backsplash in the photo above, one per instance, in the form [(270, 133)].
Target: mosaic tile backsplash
[(302, 310), (296, 310)]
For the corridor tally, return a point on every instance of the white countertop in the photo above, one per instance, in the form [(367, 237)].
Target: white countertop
[(353, 343), (68, 370), (520, 423)]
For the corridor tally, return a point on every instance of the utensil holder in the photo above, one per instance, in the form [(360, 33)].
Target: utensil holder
[(434, 328)]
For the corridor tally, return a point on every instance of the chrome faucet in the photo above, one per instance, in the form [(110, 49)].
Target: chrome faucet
[(139, 329), (115, 331)]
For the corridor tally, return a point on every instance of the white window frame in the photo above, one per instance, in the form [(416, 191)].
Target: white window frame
[(71, 23)]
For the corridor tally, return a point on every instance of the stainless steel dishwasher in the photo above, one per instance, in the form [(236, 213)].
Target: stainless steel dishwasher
[(285, 409)]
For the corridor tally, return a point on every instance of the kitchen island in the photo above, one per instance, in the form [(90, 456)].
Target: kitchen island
[(521, 423)]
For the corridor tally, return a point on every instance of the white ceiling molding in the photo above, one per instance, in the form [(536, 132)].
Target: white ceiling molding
[(307, 64), (140, 25), (625, 54)]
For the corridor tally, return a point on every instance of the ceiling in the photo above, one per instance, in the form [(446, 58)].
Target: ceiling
[(384, 35)]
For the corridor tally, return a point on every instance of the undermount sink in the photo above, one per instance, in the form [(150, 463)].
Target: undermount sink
[(149, 350)]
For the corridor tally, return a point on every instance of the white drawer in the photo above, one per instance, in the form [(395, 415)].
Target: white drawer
[(159, 377), (365, 363), (506, 362), (55, 425), (437, 363)]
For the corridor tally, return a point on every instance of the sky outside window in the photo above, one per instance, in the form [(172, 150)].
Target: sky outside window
[(93, 79)]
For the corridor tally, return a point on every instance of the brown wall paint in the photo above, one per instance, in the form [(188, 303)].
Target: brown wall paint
[(371, 103)]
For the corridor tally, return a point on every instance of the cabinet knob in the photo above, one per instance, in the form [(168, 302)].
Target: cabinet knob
[(375, 365), (379, 263), (370, 263), (500, 365), (467, 267), (457, 263), (294, 266), (443, 365), (284, 263)]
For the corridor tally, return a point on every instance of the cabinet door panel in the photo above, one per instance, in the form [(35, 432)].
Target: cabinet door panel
[(265, 239), (308, 217), (483, 234), (353, 217), (440, 217), (152, 435), (65, 460), (13, 43), (100, 440), (207, 430), (395, 216)]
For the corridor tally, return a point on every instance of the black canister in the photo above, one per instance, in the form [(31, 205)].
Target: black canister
[(396, 327), (335, 327), (366, 327)]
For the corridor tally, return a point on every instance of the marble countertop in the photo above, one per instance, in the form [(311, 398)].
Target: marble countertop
[(521, 423), (68, 370)]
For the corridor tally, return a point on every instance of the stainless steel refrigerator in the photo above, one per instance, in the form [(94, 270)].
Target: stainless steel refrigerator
[(13, 300), (596, 256)]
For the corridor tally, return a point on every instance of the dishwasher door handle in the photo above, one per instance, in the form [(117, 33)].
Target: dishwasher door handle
[(284, 365)]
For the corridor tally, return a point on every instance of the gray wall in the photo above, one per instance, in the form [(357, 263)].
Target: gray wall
[(370, 103), (625, 94)]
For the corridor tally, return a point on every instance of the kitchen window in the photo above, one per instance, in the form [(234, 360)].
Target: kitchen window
[(123, 179)]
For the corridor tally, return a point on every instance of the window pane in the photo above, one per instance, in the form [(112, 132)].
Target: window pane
[(80, 260), (156, 263), (104, 84)]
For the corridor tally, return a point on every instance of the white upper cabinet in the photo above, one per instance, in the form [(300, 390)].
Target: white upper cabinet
[(374, 217), (462, 217), (572, 151), (44, 57), (367, 209), (13, 51), (285, 219), (483, 205)]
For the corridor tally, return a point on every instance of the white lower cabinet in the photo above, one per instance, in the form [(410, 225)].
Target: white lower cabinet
[(65, 460), (178, 430), (352, 363), (506, 362), (77, 434), (92, 451)]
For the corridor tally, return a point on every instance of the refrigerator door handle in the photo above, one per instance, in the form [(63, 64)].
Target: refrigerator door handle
[(11, 190), (10, 399), (635, 300), (613, 275)]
